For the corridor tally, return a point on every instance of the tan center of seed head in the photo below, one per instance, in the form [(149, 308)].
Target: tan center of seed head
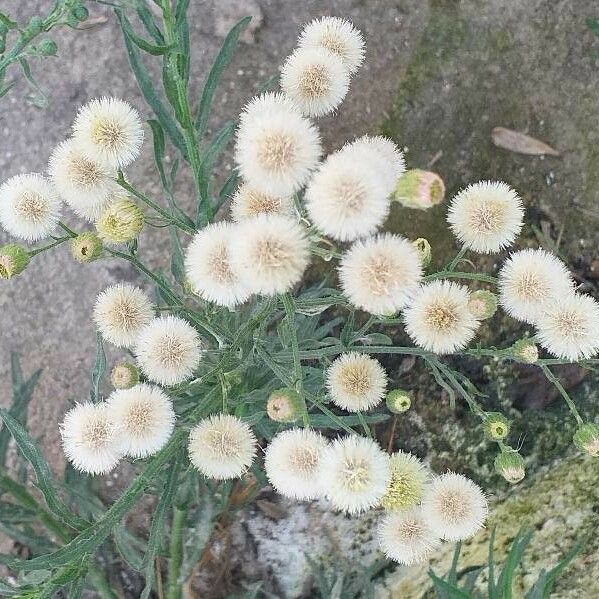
[(97, 434), (139, 419), (355, 379), (84, 172), (356, 475), (276, 151), (171, 351), (333, 43), (441, 317), (351, 196), (222, 443), (270, 252), (454, 507), (314, 82), (487, 217), (218, 264), (530, 286), (380, 275), (125, 315), (260, 203), (303, 459), (32, 206), (570, 324), (108, 134), (409, 530)]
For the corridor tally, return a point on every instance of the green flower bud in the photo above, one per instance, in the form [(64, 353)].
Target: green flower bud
[(13, 260), (398, 401), (36, 25), (497, 426), (526, 351), (424, 249), (121, 222), (47, 47), (510, 465), (482, 304), (284, 405), (80, 13), (86, 247), (586, 438), (419, 189), (124, 375)]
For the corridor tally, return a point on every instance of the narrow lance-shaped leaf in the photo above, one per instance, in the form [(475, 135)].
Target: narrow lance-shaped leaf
[(216, 72), (145, 16), (45, 480), (147, 88), (99, 369)]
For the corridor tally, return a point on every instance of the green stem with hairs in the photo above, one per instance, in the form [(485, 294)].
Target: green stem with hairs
[(176, 553), (555, 381), (474, 276)]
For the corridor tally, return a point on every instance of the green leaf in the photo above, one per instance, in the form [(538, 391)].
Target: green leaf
[(145, 16), (491, 583), (144, 82), (159, 146), (25, 536), (157, 529), (45, 480), (445, 589), (22, 393), (177, 259), (7, 21), (153, 49), (38, 98), (514, 558), (593, 25), (198, 535), (221, 62), (182, 27), (170, 73), (128, 546), (92, 537), (99, 369)]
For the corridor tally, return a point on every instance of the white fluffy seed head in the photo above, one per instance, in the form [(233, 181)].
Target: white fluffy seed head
[(382, 154), (121, 312), (109, 131), (168, 350), (338, 36), (145, 416), (277, 148), (356, 382), (85, 185), (315, 79), (347, 197), (486, 216), (407, 484), (91, 438), (438, 317), (454, 507), (270, 253), (222, 447), (291, 463), (208, 266), (406, 537), (29, 207), (529, 280), (248, 202), (380, 274), (354, 473), (569, 327)]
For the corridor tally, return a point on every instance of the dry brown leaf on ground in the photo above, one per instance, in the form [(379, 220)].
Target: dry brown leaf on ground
[(520, 142)]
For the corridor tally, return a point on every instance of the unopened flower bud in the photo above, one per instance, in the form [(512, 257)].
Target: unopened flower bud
[(36, 24), (80, 13), (526, 351), (586, 438), (398, 401), (124, 375), (510, 465), (424, 249), (13, 260), (497, 426), (121, 222), (86, 247), (419, 189), (47, 47), (482, 304), (284, 405)]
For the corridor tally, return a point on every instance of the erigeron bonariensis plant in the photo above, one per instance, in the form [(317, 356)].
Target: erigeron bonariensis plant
[(235, 354)]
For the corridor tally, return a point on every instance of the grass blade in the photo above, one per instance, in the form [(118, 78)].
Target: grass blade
[(99, 369)]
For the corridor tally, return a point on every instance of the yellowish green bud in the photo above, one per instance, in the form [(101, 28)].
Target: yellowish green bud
[(284, 405), (13, 260), (526, 351), (482, 304), (424, 249), (121, 222), (86, 247), (398, 401), (586, 438), (124, 375), (497, 426), (510, 465), (419, 189)]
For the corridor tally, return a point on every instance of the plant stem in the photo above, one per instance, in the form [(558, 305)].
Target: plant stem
[(448, 274), (553, 379), (37, 251), (98, 580), (456, 260), (176, 554)]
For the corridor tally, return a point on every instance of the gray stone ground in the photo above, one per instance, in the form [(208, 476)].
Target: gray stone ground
[(439, 75)]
